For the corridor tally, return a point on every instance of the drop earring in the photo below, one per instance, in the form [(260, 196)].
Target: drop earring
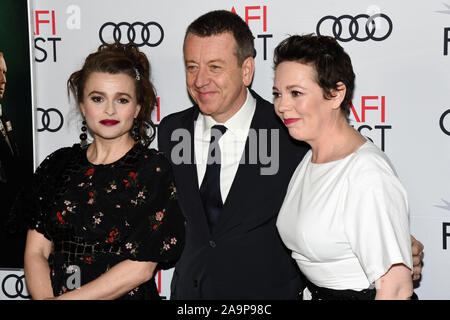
[(135, 131), (83, 135)]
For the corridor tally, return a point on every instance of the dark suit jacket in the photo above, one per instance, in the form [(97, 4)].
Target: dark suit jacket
[(244, 257)]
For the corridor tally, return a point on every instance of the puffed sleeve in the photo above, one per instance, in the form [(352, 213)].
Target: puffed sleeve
[(157, 230), (376, 218), (30, 208)]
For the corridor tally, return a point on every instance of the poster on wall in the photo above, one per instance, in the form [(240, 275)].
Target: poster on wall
[(16, 125)]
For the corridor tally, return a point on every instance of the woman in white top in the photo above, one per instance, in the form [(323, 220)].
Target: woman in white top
[(345, 215)]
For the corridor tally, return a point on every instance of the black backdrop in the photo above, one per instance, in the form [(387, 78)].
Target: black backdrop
[(16, 104)]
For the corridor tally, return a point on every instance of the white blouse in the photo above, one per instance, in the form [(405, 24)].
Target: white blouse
[(346, 221)]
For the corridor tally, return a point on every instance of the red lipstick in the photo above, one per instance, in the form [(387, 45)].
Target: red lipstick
[(109, 122), (289, 121)]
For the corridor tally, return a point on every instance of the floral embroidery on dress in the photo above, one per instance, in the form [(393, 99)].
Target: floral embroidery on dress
[(97, 219), (91, 197), (60, 216), (70, 206), (131, 180), (140, 198), (173, 191), (132, 247), (134, 291), (87, 259), (167, 243), (89, 173), (156, 220), (112, 186), (113, 236)]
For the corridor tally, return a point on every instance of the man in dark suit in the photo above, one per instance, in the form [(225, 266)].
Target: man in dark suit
[(241, 256), (10, 182), (232, 249)]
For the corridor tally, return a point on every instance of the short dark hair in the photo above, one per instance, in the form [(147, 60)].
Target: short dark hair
[(221, 21), (331, 62), (117, 58)]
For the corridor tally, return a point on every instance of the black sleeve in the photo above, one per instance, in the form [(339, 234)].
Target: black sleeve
[(30, 208), (158, 231)]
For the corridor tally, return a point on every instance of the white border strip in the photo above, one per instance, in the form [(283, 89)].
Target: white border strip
[(33, 96)]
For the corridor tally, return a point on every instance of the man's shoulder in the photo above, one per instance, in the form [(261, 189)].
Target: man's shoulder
[(172, 122), (265, 116), (177, 117), (260, 100)]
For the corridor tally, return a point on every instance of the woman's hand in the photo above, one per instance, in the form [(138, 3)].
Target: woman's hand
[(417, 253)]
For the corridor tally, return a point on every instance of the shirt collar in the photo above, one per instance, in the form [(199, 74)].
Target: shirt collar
[(238, 124)]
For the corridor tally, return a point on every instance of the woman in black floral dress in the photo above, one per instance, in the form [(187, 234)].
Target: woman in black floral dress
[(104, 217)]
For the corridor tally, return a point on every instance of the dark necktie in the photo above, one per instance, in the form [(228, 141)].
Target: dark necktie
[(210, 188)]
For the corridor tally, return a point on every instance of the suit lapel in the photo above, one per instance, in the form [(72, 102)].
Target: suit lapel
[(189, 194), (244, 178)]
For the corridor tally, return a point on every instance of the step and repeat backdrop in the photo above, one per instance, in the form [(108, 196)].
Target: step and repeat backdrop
[(400, 54)]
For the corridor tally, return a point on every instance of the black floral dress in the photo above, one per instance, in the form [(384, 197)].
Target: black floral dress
[(99, 215)]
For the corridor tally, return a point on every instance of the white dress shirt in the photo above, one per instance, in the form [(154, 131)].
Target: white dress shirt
[(231, 144)]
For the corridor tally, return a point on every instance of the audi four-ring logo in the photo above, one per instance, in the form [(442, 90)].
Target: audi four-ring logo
[(52, 120), (442, 120), (370, 30), (18, 289), (137, 33)]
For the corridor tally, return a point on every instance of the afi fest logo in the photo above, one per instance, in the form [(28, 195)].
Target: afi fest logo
[(446, 30), (444, 123), (256, 19), (376, 107), (445, 225), (46, 39)]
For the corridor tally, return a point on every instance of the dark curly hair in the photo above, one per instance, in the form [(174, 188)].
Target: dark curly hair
[(117, 58), (331, 62)]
